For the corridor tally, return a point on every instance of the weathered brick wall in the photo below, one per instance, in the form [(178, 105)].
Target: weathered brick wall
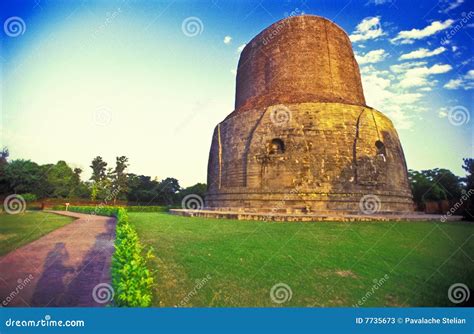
[(298, 59), (330, 159)]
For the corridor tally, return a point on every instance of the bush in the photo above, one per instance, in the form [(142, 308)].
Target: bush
[(148, 208), (28, 197), (131, 278)]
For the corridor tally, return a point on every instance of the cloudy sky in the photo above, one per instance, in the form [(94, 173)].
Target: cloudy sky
[(150, 79)]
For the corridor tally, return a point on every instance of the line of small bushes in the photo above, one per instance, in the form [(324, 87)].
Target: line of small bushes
[(131, 279), (128, 208)]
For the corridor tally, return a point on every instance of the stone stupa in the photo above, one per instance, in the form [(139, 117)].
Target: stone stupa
[(301, 140)]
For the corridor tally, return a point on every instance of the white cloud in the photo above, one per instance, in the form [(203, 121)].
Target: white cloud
[(443, 112), (403, 67), (227, 39), (408, 36), (453, 84), (240, 48), (465, 82), (371, 57), (470, 74), (422, 53), (451, 5), (378, 2), (382, 93), (368, 28), (418, 76)]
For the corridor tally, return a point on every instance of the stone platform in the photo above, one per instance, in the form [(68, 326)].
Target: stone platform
[(313, 217)]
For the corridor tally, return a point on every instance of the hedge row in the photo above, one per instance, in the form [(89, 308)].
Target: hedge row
[(148, 208), (131, 279), (129, 208)]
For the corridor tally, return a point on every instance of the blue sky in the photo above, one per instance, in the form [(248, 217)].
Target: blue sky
[(87, 78)]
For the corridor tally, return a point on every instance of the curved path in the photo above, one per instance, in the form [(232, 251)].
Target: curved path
[(61, 268)]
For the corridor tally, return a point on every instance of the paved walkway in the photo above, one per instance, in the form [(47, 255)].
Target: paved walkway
[(61, 268)]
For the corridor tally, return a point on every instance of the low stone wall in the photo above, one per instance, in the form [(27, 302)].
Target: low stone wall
[(329, 216)]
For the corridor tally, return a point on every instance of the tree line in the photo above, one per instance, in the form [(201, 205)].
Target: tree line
[(35, 181), (115, 183)]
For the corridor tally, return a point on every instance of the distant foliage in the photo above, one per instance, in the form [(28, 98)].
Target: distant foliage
[(148, 208), (28, 197), (131, 278)]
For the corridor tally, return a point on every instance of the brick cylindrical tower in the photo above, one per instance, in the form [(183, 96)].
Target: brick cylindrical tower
[(301, 138), (299, 59)]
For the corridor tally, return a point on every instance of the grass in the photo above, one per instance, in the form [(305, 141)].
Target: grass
[(20, 229), (324, 263)]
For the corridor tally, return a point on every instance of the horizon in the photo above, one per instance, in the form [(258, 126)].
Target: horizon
[(119, 78)]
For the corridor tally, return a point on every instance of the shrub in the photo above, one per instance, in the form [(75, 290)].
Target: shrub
[(148, 208), (131, 278), (28, 197)]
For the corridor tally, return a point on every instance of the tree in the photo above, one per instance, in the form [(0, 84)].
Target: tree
[(423, 187), (25, 176), (61, 180), (468, 166), (4, 186), (98, 169), (4, 154), (119, 177), (448, 182), (142, 189), (167, 190), (100, 187), (199, 189)]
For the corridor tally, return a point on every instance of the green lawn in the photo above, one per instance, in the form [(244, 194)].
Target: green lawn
[(324, 263), (20, 229)]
